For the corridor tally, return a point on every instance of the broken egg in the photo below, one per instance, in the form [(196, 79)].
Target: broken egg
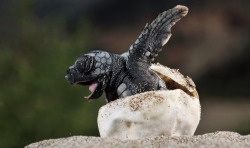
[(172, 112)]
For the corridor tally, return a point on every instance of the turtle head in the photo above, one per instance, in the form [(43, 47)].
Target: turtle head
[(91, 69)]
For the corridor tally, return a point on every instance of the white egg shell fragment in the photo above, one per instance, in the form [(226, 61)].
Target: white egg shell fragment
[(172, 112)]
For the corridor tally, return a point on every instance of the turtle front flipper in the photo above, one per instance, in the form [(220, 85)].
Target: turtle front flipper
[(153, 37)]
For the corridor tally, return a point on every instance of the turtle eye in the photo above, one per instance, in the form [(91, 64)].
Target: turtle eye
[(84, 64)]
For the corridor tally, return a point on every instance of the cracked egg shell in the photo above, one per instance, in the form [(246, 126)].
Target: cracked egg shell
[(172, 112)]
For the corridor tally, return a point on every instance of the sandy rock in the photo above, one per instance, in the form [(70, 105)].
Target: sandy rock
[(211, 140)]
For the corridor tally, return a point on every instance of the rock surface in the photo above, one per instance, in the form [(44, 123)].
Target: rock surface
[(211, 140)]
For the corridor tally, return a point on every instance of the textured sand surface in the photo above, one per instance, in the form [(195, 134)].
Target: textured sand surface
[(211, 140)]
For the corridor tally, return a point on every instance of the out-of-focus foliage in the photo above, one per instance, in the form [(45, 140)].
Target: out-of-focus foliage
[(36, 101)]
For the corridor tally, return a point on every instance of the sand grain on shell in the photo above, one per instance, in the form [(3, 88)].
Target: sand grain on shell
[(136, 103)]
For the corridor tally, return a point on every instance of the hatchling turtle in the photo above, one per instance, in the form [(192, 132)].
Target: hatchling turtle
[(127, 74)]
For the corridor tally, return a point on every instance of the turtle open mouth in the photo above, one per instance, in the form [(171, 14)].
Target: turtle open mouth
[(96, 83), (95, 88), (92, 89)]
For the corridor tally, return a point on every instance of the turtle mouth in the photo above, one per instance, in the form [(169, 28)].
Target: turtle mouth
[(97, 83), (92, 88), (95, 88)]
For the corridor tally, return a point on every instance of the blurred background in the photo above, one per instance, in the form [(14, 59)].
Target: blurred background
[(39, 39)]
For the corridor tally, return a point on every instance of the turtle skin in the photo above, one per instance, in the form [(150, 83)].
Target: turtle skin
[(129, 73)]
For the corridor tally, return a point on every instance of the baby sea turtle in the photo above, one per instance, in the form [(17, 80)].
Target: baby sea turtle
[(130, 73)]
